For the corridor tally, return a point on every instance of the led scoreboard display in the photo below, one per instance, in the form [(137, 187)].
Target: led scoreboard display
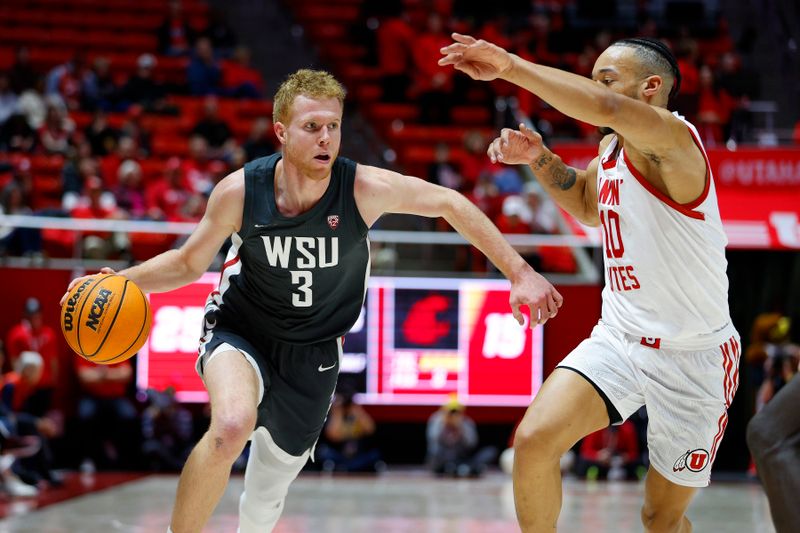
[(417, 341)]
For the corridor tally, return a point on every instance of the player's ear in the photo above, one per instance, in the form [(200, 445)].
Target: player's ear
[(280, 131), (652, 84)]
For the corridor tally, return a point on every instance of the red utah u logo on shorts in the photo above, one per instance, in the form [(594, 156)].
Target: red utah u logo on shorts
[(651, 342)]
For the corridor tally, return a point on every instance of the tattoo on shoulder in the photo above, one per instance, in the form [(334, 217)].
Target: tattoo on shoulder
[(564, 177), (542, 161)]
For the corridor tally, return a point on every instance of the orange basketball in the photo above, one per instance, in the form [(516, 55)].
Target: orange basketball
[(106, 319)]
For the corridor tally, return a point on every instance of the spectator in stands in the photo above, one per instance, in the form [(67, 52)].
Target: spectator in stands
[(259, 143), (204, 73), (55, 134), (16, 135), (32, 104), (452, 443), (395, 42), (126, 149), (612, 452), (18, 386), (192, 210), (77, 169), (98, 204), (31, 334), (17, 241), (23, 75), (69, 80), (443, 171), (166, 195), (475, 162), (515, 218), (239, 78), (196, 167), (129, 192), (101, 136), (167, 431), (219, 32), (713, 109), (175, 35), (432, 86), (213, 128), (347, 446), (541, 213), (8, 99), (135, 129), (237, 158), (100, 89), (142, 88), (107, 418)]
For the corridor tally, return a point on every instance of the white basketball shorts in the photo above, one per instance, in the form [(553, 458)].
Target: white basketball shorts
[(687, 394)]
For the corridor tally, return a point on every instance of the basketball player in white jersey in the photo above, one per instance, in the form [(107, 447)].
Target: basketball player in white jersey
[(665, 338)]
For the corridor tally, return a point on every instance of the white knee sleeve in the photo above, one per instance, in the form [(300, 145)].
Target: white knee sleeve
[(270, 471)]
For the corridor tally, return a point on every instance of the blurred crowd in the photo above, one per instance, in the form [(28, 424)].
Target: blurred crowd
[(405, 37), (91, 127)]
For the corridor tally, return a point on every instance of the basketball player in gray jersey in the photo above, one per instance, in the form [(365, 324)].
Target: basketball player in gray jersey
[(293, 284)]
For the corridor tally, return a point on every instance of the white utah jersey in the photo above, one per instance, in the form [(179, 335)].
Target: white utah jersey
[(664, 262)]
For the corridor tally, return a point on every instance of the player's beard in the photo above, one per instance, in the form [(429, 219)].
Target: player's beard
[(605, 130)]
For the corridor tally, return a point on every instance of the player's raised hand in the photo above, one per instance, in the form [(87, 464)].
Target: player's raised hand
[(479, 59), (533, 290), (515, 147), (76, 281)]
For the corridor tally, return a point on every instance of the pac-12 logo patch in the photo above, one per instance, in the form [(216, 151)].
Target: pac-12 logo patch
[(333, 221), (694, 461)]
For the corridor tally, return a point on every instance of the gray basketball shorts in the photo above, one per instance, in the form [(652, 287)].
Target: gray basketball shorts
[(296, 387)]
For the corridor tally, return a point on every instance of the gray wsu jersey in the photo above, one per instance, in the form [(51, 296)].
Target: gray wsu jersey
[(298, 279)]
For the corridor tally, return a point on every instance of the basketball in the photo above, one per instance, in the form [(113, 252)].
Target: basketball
[(106, 319)]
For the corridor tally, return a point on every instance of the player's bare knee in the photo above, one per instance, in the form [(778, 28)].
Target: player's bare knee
[(228, 434), (537, 443)]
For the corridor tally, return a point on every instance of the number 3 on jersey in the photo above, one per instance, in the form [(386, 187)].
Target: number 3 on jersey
[(304, 279)]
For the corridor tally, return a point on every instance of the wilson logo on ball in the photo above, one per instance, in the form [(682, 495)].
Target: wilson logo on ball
[(72, 302), (98, 306)]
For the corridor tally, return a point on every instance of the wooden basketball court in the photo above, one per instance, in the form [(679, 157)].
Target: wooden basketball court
[(394, 502)]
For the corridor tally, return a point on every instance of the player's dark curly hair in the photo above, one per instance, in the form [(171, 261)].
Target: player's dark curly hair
[(657, 57)]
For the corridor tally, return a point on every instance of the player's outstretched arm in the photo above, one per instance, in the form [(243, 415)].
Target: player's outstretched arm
[(573, 189), (380, 191), (648, 128), (176, 268)]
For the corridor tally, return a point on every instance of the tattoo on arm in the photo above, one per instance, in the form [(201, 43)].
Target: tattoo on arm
[(564, 177), (561, 175), (542, 161)]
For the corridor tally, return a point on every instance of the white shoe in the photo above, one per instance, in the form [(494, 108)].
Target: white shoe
[(15, 487)]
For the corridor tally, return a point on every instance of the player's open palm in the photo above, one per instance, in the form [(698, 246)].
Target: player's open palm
[(516, 147), (479, 59), (538, 294)]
